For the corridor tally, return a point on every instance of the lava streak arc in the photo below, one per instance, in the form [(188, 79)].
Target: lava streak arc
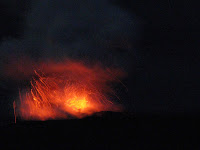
[(68, 89)]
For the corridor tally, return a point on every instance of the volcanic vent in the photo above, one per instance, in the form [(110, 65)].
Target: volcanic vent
[(68, 89)]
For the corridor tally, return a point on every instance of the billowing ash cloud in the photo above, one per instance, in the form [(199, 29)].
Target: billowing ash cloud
[(93, 30), (77, 29)]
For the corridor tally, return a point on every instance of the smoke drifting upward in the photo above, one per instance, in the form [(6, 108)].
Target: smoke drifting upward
[(93, 31), (75, 29)]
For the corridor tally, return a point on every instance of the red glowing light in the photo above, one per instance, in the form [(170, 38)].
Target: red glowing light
[(60, 90)]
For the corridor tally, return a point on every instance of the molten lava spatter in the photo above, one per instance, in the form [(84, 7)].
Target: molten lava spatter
[(77, 103), (67, 89)]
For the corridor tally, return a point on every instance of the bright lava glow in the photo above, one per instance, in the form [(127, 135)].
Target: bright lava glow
[(69, 89), (77, 103)]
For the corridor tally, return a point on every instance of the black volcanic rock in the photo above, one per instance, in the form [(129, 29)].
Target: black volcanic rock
[(110, 115), (104, 130), (100, 131)]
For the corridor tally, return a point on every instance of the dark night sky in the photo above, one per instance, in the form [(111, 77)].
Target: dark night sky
[(157, 44)]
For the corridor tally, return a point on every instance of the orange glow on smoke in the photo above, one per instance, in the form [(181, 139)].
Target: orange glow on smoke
[(62, 90)]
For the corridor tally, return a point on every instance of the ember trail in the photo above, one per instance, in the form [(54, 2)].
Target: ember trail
[(61, 90)]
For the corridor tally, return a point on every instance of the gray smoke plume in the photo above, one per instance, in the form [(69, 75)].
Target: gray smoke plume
[(76, 29), (93, 30)]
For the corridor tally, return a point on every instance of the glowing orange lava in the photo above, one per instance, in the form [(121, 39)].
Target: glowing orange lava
[(69, 89)]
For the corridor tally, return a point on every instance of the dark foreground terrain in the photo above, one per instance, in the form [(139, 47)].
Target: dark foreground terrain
[(106, 130)]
